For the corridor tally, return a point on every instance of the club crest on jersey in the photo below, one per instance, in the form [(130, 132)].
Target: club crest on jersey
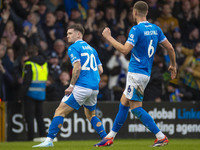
[(72, 57), (131, 36)]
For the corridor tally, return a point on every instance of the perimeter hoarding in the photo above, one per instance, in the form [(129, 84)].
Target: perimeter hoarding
[(176, 120)]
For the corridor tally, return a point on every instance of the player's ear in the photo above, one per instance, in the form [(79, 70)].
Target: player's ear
[(136, 13), (80, 34)]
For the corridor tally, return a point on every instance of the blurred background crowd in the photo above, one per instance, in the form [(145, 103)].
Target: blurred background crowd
[(43, 23)]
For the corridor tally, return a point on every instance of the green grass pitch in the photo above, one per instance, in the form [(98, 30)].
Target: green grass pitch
[(119, 144)]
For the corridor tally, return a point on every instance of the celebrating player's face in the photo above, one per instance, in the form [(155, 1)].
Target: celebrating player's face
[(72, 36)]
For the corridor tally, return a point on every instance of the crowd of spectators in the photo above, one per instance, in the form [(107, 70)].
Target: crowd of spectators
[(44, 22)]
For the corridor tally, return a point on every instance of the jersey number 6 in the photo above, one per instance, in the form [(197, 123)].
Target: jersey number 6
[(90, 59), (150, 49)]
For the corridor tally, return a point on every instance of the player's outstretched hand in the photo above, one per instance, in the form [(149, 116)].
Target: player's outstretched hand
[(172, 69), (106, 32), (69, 90)]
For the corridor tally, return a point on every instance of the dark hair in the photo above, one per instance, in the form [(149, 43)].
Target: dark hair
[(141, 7), (32, 50), (77, 27)]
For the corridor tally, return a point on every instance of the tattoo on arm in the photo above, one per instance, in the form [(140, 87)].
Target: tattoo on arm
[(75, 75)]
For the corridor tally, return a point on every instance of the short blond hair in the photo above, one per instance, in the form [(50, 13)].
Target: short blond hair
[(141, 7)]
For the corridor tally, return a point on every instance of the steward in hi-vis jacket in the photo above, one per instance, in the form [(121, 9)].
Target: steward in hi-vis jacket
[(33, 90)]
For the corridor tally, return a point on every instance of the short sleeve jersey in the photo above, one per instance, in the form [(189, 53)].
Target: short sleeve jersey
[(89, 76), (144, 37)]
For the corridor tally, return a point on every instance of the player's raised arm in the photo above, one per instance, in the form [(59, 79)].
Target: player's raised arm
[(170, 50), (125, 49)]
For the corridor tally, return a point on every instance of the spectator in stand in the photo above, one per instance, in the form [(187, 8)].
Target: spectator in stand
[(153, 10), (153, 92), (34, 5), (52, 5), (59, 48), (21, 7), (121, 25), (175, 93), (124, 5), (42, 11), (31, 24), (110, 16), (29, 28), (52, 30), (81, 5), (96, 5), (193, 37), (130, 19), (76, 16), (10, 53), (118, 67), (62, 17), (176, 35), (175, 6), (6, 79), (93, 4), (167, 22), (189, 72), (20, 46), (54, 67), (186, 19), (55, 90), (4, 18), (105, 51), (180, 57), (64, 81), (90, 22), (9, 32), (104, 92), (5, 41), (195, 10), (90, 38)]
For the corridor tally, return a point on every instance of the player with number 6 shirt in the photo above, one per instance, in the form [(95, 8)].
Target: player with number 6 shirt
[(142, 43)]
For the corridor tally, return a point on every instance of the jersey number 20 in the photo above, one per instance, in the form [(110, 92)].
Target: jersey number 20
[(89, 60), (150, 49)]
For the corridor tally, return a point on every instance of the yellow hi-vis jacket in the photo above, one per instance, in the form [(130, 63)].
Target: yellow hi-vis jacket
[(37, 89)]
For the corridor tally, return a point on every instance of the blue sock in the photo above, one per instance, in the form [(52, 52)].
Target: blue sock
[(55, 126), (98, 126), (120, 118), (146, 119)]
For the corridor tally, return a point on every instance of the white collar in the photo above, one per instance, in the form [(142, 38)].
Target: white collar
[(78, 40), (143, 22)]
